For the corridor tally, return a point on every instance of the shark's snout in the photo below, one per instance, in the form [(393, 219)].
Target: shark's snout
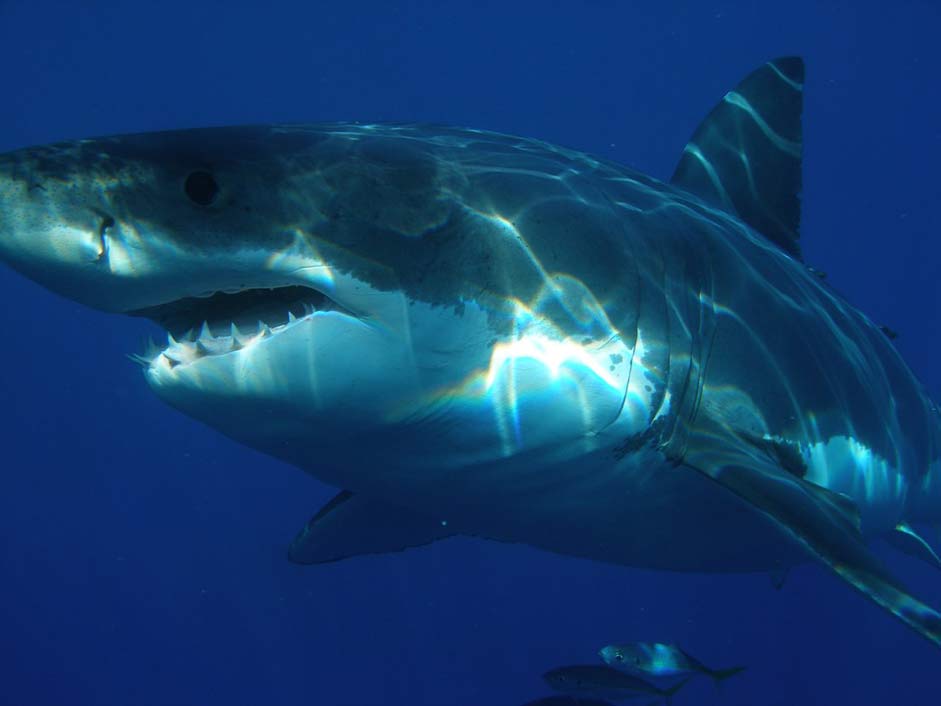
[(126, 235), (53, 233)]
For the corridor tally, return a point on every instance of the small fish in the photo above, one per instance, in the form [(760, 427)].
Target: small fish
[(659, 660), (604, 682)]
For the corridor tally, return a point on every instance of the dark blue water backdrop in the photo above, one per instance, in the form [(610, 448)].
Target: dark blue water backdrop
[(143, 556)]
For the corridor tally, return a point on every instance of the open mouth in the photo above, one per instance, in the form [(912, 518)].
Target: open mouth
[(224, 322)]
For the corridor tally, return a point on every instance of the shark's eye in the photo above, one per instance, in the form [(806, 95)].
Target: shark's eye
[(201, 187)]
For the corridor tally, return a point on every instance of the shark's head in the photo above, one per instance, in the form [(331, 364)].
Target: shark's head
[(329, 292)]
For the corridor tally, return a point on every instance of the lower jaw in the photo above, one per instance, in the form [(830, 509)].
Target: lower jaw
[(208, 342), (312, 366)]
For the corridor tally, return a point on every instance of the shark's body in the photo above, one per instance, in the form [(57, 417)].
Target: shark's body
[(495, 336)]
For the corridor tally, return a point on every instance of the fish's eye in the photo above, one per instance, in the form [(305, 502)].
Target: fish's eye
[(619, 657), (201, 188)]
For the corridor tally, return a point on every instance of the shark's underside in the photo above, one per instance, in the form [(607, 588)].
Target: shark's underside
[(480, 334)]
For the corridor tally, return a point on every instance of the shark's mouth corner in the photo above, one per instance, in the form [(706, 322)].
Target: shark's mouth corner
[(225, 322)]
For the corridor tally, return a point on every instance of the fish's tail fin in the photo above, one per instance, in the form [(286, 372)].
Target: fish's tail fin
[(668, 694), (720, 675)]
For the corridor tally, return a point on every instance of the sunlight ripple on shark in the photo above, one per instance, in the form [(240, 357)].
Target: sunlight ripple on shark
[(472, 333)]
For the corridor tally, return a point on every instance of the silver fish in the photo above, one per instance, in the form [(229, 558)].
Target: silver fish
[(659, 659)]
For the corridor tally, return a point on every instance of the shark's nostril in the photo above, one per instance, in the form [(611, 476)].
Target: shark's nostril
[(106, 223)]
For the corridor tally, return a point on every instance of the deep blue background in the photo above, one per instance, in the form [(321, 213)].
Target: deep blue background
[(142, 556)]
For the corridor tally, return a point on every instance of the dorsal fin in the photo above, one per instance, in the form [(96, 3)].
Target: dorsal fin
[(746, 155)]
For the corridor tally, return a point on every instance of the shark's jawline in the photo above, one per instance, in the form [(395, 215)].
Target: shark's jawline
[(274, 307)]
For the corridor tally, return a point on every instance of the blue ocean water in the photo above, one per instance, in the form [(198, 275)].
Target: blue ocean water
[(143, 556)]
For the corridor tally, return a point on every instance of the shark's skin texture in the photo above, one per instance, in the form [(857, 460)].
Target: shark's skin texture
[(522, 342)]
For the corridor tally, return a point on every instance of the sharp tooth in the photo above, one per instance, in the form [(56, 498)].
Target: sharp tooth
[(201, 348), (190, 335), (291, 317), (263, 329), (237, 342), (171, 340), (204, 331)]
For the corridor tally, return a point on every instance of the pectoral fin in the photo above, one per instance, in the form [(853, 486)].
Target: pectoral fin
[(351, 525), (814, 517), (908, 541)]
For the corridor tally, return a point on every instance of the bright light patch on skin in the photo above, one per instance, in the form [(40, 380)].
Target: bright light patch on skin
[(553, 355), (796, 85), (135, 253), (303, 259), (664, 409), (551, 379), (640, 391), (845, 465), (739, 101), (128, 252), (535, 365), (693, 150), (506, 227), (558, 288), (73, 244)]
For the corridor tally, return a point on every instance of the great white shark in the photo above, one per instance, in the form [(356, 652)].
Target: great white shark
[(472, 333)]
